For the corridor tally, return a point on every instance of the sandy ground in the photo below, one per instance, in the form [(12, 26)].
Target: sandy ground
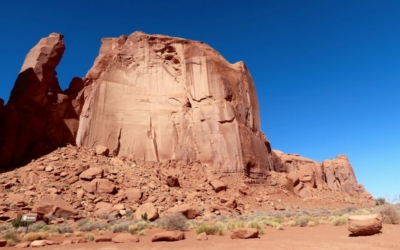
[(320, 237)]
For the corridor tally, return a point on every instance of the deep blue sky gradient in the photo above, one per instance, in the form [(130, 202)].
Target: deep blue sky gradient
[(327, 73)]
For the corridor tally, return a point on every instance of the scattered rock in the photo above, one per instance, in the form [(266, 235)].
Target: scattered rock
[(218, 185), (101, 150), (22, 245), (149, 209), (365, 224), (202, 236), (133, 194), (102, 239), (125, 238), (244, 233), (91, 174), (53, 204), (168, 236), (38, 243), (3, 243), (188, 211), (102, 186)]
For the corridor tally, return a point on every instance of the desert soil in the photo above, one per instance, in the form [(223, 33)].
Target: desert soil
[(319, 237)]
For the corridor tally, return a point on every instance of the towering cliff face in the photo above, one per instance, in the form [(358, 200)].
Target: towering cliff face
[(38, 116), (159, 98)]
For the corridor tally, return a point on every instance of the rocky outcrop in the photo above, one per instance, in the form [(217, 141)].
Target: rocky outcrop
[(159, 98), (38, 116), (304, 175)]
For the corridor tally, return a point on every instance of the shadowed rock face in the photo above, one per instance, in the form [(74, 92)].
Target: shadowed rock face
[(159, 98), (39, 116)]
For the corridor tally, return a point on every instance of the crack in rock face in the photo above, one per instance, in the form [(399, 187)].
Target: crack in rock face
[(172, 99)]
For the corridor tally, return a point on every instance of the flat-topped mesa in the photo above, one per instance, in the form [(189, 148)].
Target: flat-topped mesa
[(160, 98), (37, 117), (305, 174)]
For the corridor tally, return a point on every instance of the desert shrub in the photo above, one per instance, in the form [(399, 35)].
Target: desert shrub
[(280, 227), (9, 236), (292, 223), (32, 236), (96, 225), (142, 232), (256, 225), (339, 220), (175, 221), (128, 213), (278, 220), (380, 201), (133, 229), (233, 225), (142, 225), (17, 222), (389, 214), (192, 224), (37, 226), (4, 227), (82, 222), (311, 223), (347, 210), (120, 227), (65, 228), (65, 216), (78, 233), (67, 234), (303, 220), (208, 229), (89, 237)]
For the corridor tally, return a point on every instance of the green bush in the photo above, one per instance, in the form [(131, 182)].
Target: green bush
[(144, 216), (256, 225), (89, 237), (339, 220), (380, 201)]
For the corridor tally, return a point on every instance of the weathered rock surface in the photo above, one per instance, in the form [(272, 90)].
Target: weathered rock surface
[(53, 204), (365, 224), (159, 98), (125, 238), (149, 209), (244, 233), (202, 236), (304, 175), (168, 236), (39, 116)]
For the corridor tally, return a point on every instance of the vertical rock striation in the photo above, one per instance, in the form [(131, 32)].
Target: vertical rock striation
[(159, 98)]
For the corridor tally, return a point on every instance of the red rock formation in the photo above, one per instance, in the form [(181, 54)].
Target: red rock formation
[(305, 174), (159, 98), (38, 116)]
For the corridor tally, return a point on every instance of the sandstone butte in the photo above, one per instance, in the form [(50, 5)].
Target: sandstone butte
[(154, 98)]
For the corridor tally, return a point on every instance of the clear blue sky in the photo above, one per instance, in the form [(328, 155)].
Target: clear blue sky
[(327, 72)]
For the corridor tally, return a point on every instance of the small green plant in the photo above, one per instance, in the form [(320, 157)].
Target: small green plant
[(311, 223), (89, 237), (144, 216), (292, 223), (303, 220), (17, 222), (142, 232), (280, 227)]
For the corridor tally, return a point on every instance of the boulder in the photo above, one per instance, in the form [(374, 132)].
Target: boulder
[(102, 239), (365, 224), (102, 186), (133, 194), (38, 243), (188, 211), (149, 209), (218, 185), (91, 174), (202, 236), (101, 150), (125, 238), (53, 204), (22, 245), (168, 236), (3, 243), (244, 233)]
